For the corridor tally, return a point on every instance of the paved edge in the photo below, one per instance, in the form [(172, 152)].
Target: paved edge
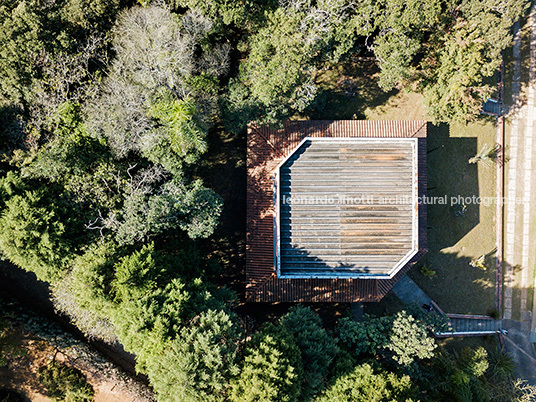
[(512, 178), (499, 217), (499, 213)]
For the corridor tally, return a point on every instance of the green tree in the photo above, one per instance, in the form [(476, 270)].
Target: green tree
[(199, 363), (150, 304), (178, 119), (363, 337), (152, 301), (462, 377), (86, 294), (272, 368), (37, 230), (501, 366), (401, 337), (71, 157), (228, 12), (317, 347), (403, 26), (50, 55), (456, 91), (27, 29), (277, 78), (409, 340), (464, 53), (395, 52), (94, 322), (447, 48), (143, 214), (90, 13), (145, 325), (365, 384), (273, 70)]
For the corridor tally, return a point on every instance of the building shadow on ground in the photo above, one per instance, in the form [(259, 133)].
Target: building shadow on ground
[(453, 179)]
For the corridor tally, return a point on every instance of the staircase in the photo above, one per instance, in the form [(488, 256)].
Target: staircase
[(492, 107), (471, 325)]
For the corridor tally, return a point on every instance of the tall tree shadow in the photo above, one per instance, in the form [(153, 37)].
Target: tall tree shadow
[(346, 91)]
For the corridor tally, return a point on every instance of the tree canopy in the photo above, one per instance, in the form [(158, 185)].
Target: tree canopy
[(108, 112), (272, 368), (365, 384)]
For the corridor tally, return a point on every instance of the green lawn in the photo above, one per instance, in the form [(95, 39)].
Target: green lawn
[(456, 240), (348, 91)]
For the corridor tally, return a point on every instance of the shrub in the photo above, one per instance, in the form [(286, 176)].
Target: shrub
[(65, 383), (8, 395)]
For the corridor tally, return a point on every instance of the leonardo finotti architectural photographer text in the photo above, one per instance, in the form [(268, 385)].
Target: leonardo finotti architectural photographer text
[(339, 199)]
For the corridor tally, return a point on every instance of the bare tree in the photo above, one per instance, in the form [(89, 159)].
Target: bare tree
[(196, 25), (217, 61), (65, 77), (155, 55), (119, 114), (152, 49)]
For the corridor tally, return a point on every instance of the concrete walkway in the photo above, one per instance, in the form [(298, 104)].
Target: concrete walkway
[(511, 191), (519, 256), (519, 251), (409, 292), (518, 345)]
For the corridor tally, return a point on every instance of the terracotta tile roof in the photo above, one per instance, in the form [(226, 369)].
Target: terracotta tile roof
[(266, 148)]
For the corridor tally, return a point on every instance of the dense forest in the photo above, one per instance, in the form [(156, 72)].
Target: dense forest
[(105, 111)]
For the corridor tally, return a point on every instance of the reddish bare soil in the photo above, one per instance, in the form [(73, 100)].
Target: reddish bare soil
[(20, 374)]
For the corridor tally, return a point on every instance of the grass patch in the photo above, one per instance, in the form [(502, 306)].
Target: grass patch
[(455, 241), (402, 106)]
